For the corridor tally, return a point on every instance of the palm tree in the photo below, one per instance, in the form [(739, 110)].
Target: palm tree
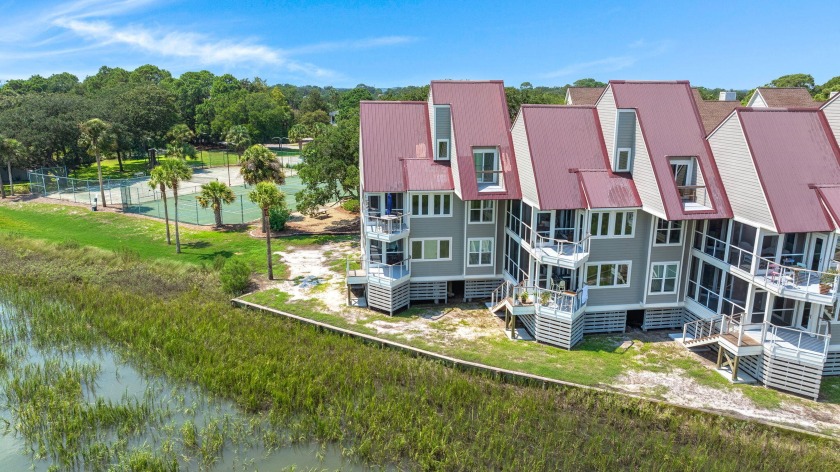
[(179, 145), (95, 135), (298, 132), (173, 172), (267, 196), (10, 151), (260, 164), (213, 194), (238, 138), (158, 179)]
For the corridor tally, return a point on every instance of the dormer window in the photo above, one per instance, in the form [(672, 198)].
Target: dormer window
[(684, 173), (622, 160), (486, 166), (442, 150)]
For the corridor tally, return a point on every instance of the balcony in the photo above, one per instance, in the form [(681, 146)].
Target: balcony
[(564, 304), (785, 276), (560, 252), (387, 227), (694, 197), (388, 275)]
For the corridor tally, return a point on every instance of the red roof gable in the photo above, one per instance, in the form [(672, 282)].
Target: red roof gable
[(671, 127), (479, 119), (397, 150), (561, 140), (793, 153)]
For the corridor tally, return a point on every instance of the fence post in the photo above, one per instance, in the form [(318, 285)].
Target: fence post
[(242, 209), (196, 212)]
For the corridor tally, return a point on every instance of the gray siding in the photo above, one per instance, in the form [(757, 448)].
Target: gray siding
[(606, 113), (443, 123), (622, 249), (440, 227), (832, 114), (666, 254), (483, 231), (738, 173), (453, 148), (644, 177), (523, 160), (625, 130)]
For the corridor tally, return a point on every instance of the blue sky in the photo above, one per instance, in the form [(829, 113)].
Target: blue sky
[(711, 43)]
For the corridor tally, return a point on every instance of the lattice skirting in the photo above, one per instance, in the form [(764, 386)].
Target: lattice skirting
[(832, 364), (560, 333), (388, 299), (530, 323), (663, 318), (480, 289), (604, 322), (688, 317), (782, 374), (429, 291)]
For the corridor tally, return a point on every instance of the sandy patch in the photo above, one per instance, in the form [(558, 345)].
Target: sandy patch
[(315, 262), (677, 388), (441, 324)]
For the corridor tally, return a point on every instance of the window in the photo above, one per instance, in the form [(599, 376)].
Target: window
[(608, 274), (615, 224), (442, 153), (480, 252), (668, 232), (663, 277), (482, 211), (622, 160), (434, 204), (431, 249), (486, 165)]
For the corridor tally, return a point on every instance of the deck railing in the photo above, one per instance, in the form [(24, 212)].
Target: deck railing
[(561, 302), (564, 248), (702, 328), (376, 222), (693, 194), (801, 345), (386, 273)]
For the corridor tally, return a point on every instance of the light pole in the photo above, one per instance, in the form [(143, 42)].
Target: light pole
[(280, 146), (227, 162)]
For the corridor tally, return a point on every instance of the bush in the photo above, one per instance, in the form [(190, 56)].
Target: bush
[(219, 262), (351, 205), (277, 218), (235, 277)]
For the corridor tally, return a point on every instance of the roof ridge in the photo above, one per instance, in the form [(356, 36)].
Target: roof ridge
[(404, 102), (650, 82)]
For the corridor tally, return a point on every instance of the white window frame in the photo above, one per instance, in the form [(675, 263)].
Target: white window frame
[(480, 252), (423, 242), (438, 157), (670, 229), (691, 169), (612, 220), (427, 202), (626, 283), (482, 208), (496, 165), (618, 151), (663, 278)]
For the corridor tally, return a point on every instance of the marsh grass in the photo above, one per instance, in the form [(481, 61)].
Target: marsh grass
[(378, 405)]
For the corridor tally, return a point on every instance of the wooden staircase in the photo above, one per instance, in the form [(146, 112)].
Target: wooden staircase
[(703, 341)]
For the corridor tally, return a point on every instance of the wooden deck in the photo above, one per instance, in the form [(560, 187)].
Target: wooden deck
[(746, 340)]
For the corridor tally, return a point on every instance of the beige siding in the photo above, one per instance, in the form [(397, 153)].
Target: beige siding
[(523, 160), (453, 152), (644, 177), (738, 173), (832, 114), (757, 101), (606, 113)]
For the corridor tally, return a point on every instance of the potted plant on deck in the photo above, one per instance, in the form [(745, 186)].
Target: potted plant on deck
[(523, 297), (827, 281)]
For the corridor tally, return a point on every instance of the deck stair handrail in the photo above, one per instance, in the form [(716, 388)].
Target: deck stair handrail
[(703, 331), (737, 326), (500, 294), (512, 293), (351, 261), (574, 248)]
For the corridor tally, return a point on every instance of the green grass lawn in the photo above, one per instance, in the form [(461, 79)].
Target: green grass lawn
[(144, 236)]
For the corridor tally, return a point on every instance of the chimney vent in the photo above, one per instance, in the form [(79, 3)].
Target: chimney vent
[(727, 96)]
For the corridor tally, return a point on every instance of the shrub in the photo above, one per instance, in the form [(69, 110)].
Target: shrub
[(219, 262), (277, 218), (351, 205), (235, 277)]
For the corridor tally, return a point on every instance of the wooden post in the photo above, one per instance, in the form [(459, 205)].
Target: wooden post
[(720, 356), (735, 369)]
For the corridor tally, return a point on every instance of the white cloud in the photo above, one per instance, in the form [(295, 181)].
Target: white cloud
[(351, 44), (641, 50)]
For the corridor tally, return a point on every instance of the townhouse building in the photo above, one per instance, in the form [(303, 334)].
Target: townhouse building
[(644, 206)]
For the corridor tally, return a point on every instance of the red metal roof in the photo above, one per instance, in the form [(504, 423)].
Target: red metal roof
[(563, 139), (479, 119), (671, 127), (397, 150), (793, 152), (830, 197), (603, 189)]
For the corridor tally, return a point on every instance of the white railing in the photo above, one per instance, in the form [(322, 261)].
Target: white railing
[(702, 328), (564, 248), (500, 293), (351, 264), (562, 302), (388, 273), (795, 343), (386, 224), (693, 194)]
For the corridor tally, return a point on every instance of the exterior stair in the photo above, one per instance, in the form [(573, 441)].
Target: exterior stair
[(703, 341)]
